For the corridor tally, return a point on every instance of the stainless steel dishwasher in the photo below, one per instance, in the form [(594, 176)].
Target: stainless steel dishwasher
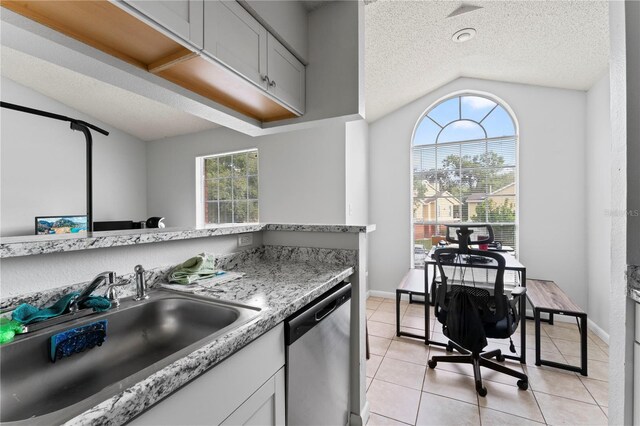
[(317, 360)]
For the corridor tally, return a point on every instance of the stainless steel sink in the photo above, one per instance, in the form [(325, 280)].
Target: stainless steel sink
[(142, 338)]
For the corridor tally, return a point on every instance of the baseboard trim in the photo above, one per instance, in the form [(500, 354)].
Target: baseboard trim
[(383, 294), (598, 331), (362, 418)]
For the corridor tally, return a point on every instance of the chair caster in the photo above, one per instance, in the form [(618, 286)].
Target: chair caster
[(449, 348), (500, 358), (482, 391), (432, 364), (523, 384)]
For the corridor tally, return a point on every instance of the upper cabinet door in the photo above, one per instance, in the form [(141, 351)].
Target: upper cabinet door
[(184, 18), (286, 75), (235, 38)]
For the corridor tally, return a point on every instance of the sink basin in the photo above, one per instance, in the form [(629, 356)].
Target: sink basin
[(142, 338)]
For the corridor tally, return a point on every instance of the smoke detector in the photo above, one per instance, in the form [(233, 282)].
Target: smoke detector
[(463, 35)]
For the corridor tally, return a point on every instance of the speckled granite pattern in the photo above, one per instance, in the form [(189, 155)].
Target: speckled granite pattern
[(319, 228), (280, 288), (311, 254), (633, 281), (42, 244)]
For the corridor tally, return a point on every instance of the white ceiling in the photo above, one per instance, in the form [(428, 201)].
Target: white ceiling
[(134, 114), (409, 51)]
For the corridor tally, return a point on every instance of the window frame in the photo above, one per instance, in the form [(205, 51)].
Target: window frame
[(425, 115), (201, 181)]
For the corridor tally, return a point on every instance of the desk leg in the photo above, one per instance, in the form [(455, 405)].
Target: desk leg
[(427, 308), (398, 296), (523, 328), (432, 294), (536, 317), (583, 344)]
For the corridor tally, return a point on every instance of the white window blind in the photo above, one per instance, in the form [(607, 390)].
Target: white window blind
[(465, 168)]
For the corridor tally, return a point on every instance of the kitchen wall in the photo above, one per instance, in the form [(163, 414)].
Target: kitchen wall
[(552, 220), (357, 172), (43, 166), (598, 202), (301, 173)]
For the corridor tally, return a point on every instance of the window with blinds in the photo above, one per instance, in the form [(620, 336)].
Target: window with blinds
[(228, 188), (464, 169)]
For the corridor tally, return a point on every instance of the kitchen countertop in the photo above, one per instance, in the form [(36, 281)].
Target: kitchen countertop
[(279, 287), (633, 282), (42, 244)]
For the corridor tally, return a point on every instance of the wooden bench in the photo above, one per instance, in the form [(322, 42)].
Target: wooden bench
[(546, 296), (412, 284)]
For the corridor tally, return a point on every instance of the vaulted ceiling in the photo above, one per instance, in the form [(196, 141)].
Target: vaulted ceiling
[(409, 50)]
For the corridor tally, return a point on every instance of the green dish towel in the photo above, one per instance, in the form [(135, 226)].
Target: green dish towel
[(197, 268), (8, 330), (28, 314)]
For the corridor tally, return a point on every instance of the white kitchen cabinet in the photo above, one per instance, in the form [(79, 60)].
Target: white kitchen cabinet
[(184, 18), (246, 388), (235, 38), (265, 407), (286, 75)]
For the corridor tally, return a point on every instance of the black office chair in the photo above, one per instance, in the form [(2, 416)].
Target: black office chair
[(498, 314)]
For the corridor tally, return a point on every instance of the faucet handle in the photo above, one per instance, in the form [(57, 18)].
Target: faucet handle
[(112, 295)]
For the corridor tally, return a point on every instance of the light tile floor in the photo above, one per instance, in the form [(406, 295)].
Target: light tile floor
[(402, 390)]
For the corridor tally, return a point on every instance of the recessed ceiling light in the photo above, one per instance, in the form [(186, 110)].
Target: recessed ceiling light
[(463, 35)]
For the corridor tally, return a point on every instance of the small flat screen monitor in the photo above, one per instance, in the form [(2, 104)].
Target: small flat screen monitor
[(47, 225)]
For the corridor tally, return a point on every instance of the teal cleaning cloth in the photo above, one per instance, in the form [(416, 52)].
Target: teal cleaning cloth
[(197, 268), (28, 314)]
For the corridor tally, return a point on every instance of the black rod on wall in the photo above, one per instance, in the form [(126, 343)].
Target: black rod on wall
[(81, 126)]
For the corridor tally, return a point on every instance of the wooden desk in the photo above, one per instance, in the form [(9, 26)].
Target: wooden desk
[(511, 264)]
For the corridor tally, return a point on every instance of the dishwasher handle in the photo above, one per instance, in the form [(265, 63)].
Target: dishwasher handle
[(326, 311), (298, 324)]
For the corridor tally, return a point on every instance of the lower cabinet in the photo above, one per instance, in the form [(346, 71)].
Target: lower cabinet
[(246, 388), (636, 370), (264, 407)]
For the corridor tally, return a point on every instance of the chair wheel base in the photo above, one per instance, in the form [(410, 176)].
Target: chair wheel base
[(523, 384), (500, 358), (449, 348), (432, 363), (482, 391)]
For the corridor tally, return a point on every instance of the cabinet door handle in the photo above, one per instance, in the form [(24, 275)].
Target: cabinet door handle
[(266, 78), (272, 83)]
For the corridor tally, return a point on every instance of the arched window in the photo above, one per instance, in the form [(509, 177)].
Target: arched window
[(464, 169)]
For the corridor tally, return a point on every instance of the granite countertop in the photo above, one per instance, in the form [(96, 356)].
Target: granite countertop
[(29, 245), (279, 287), (633, 282)]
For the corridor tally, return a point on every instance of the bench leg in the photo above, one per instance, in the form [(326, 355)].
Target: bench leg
[(398, 296), (583, 345), (536, 317)]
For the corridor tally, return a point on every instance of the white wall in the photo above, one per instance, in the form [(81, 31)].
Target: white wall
[(551, 184), (598, 201), (43, 166), (357, 172), (301, 174)]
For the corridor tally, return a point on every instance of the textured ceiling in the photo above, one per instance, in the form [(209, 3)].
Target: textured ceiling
[(134, 114), (409, 51)]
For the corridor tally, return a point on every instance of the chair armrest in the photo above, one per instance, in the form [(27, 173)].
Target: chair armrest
[(518, 292)]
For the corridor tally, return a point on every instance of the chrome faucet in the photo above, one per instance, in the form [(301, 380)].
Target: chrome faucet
[(141, 284), (108, 277)]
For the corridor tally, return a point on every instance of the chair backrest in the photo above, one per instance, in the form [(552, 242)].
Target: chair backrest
[(492, 308), (466, 234)]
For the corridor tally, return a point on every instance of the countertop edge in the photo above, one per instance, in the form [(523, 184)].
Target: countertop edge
[(45, 244), (136, 399)]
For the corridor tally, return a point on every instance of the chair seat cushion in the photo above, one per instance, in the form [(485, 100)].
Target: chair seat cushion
[(500, 329)]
